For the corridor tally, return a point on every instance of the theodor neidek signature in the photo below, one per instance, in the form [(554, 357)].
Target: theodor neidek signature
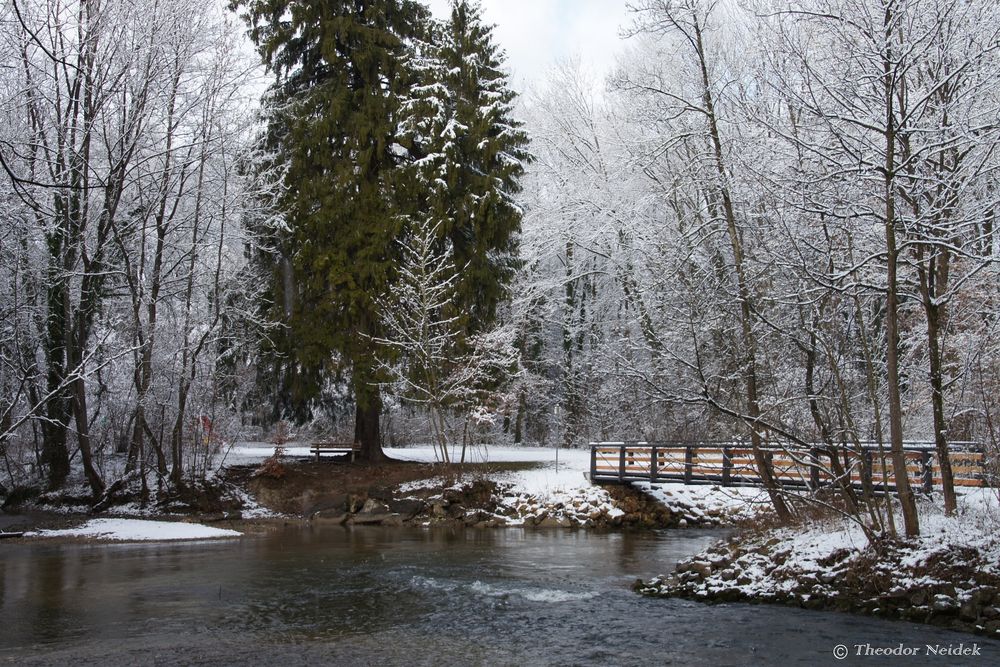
[(841, 651)]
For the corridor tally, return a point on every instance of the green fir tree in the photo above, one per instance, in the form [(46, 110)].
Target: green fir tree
[(340, 69), (472, 154)]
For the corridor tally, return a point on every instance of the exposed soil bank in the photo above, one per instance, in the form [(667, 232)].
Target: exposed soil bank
[(674, 511), (426, 494), (399, 493), (255, 498)]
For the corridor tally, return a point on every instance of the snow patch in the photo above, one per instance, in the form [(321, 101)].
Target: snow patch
[(421, 484), (134, 530), (696, 503)]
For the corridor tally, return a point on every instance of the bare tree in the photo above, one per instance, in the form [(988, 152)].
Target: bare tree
[(432, 362), (122, 131), (687, 20)]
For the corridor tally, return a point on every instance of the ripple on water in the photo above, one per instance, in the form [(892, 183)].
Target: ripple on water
[(401, 598), (531, 594), (501, 590)]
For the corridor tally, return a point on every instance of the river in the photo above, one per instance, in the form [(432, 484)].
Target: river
[(370, 596)]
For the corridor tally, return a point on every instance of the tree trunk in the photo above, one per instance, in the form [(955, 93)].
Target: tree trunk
[(522, 408), (764, 467), (177, 435), (935, 316), (55, 453), (83, 437), (366, 426), (843, 480), (911, 522)]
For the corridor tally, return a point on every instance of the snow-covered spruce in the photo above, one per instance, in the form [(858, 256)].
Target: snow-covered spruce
[(949, 576)]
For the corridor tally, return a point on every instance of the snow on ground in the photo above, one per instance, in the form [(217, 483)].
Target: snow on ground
[(976, 525), (557, 472), (696, 502), (940, 572), (554, 492), (419, 484), (253, 453), (133, 530), (250, 508), (577, 507)]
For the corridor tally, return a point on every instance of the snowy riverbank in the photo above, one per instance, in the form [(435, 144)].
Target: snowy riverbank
[(511, 486), (499, 486), (948, 576)]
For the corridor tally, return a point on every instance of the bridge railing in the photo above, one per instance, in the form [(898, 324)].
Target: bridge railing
[(734, 464)]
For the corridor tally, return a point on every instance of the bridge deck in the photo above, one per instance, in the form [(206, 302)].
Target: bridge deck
[(734, 465)]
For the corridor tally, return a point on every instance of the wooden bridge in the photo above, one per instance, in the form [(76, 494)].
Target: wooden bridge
[(733, 464)]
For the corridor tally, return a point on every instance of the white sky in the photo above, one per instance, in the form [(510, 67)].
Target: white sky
[(535, 33)]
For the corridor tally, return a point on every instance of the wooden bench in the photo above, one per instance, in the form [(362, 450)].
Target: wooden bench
[(320, 448)]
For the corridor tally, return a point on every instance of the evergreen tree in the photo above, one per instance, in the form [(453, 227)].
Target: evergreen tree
[(467, 155), (472, 153), (333, 116)]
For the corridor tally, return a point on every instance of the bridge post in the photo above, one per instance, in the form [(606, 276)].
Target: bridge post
[(866, 471), (688, 463), (654, 465), (727, 466), (927, 471), (593, 463), (621, 464), (883, 475)]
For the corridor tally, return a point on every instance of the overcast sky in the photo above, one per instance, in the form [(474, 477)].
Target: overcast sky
[(537, 32)]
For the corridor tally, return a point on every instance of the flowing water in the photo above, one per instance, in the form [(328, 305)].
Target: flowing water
[(330, 595)]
